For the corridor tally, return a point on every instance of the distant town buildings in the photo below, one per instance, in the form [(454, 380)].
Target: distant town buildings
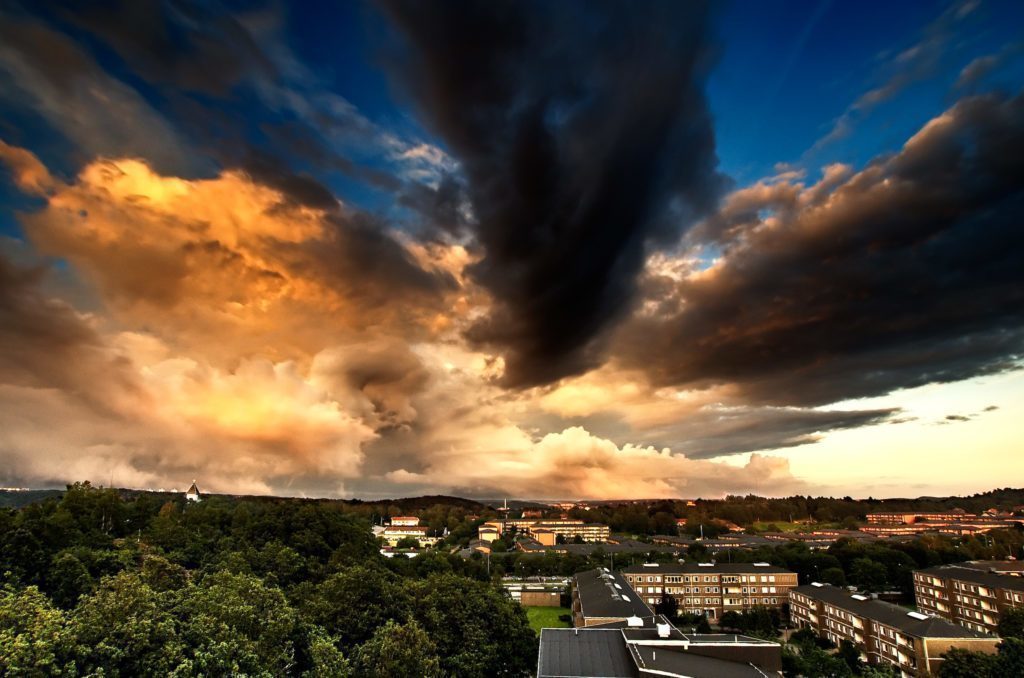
[(956, 522), (192, 494), (407, 527), (883, 632), (545, 531), (712, 588), (973, 594)]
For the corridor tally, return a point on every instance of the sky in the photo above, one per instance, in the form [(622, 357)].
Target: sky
[(572, 250)]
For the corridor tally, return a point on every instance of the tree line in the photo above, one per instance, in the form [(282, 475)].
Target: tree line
[(94, 583)]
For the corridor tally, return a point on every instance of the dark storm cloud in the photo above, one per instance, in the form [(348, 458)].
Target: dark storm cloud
[(192, 46), (907, 273), (584, 137)]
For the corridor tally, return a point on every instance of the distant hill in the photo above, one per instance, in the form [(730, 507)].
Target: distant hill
[(20, 498)]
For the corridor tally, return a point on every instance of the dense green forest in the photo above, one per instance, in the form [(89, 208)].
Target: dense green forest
[(97, 584)]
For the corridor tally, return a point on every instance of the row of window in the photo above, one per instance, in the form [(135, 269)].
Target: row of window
[(696, 579)]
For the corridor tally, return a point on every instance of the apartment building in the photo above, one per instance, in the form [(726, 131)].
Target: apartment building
[(396, 533), (885, 633), (956, 522), (967, 594), (908, 517), (712, 588), (546, 531)]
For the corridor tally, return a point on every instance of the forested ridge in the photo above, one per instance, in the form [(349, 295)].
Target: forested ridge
[(97, 584)]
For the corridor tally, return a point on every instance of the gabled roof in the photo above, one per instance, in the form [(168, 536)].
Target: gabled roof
[(193, 489)]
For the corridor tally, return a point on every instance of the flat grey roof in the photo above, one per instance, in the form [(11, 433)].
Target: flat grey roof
[(707, 568), (607, 594), (665, 661), (584, 653)]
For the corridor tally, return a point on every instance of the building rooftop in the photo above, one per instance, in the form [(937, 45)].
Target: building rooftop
[(603, 593), (594, 653), (621, 650), (911, 623), (976, 575), (698, 568)]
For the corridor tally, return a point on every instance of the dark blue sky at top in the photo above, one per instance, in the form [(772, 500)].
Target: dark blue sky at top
[(786, 72)]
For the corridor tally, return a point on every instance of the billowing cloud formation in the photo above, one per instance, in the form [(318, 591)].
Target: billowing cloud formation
[(575, 463), (228, 262), (580, 149), (902, 274), (255, 363), (218, 266)]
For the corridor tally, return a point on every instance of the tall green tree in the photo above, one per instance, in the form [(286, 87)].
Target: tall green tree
[(1011, 624), (34, 636), (234, 623), (398, 651), (125, 628), (478, 630), (352, 604)]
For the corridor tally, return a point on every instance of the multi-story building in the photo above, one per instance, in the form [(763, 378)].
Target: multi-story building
[(968, 595), (712, 588), (405, 521), (956, 522), (396, 533), (546, 531), (884, 633), (908, 517)]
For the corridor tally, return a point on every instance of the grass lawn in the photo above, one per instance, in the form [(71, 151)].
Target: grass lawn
[(546, 617)]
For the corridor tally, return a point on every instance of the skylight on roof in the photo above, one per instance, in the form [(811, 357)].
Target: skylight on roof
[(625, 598), (762, 564), (857, 596), (814, 583), (917, 615)]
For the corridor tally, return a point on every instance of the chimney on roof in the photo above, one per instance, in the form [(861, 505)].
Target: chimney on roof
[(664, 630)]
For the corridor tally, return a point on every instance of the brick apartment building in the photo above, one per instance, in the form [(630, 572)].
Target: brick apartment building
[(884, 633), (969, 594), (712, 588)]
